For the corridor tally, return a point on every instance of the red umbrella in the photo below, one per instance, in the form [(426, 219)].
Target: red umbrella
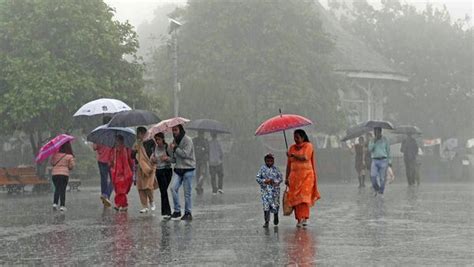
[(281, 123)]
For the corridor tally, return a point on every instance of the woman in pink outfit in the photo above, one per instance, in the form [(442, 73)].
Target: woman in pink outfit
[(62, 162)]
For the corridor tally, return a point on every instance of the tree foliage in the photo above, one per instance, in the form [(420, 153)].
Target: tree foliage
[(55, 55), (434, 52), (240, 61)]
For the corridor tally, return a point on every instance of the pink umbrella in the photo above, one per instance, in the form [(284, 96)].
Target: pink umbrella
[(52, 147), (165, 126)]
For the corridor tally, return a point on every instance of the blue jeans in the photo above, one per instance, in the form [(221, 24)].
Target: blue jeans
[(378, 172), (185, 180), (106, 186)]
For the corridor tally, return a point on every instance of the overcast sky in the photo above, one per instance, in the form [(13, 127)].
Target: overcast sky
[(138, 11)]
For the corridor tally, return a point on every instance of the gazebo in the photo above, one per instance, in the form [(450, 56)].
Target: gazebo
[(367, 74)]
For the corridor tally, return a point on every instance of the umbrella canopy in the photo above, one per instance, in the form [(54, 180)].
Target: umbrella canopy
[(165, 126), (407, 129), (135, 117), (208, 125), (52, 147), (355, 132), (281, 123), (101, 106), (106, 135), (378, 124)]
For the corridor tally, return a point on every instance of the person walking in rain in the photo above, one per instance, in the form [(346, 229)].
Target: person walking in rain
[(360, 160), (269, 178), (379, 149), (62, 162), (121, 167), (103, 160), (164, 173), (182, 150), (146, 181), (409, 149), (201, 149), (216, 168)]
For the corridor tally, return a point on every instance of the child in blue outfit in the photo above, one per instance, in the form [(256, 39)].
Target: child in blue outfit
[(269, 178)]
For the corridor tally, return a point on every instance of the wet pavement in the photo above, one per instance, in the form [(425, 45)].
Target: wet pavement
[(429, 225)]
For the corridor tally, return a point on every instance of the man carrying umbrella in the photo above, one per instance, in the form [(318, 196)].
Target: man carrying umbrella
[(216, 157), (201, 148), (379, 149), (410, 151)]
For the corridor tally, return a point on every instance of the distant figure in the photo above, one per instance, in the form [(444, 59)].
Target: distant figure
[(410, 151), (146, 180), (380, 151), (201, 149), (360, 161), (301, 177), (62, 162), (164, 173), (216, 168), (122, 175), (182, 150), (367, 155), (269, 178), (103, 159)]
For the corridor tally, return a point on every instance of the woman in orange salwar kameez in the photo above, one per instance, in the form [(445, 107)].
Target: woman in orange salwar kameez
[(301, 177), (121, 172)]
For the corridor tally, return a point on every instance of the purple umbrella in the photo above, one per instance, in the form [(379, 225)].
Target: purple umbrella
[(52, 147)]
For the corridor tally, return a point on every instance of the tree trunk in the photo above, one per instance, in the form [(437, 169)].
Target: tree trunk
[(35, 147)]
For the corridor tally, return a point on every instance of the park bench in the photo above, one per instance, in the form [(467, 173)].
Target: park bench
[(11, 185), (23, 176)]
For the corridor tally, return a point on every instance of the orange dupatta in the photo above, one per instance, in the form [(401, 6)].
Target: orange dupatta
[(303, 177)]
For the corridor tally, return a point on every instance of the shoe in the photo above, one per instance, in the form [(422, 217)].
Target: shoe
[(265, 225), (144, 210), (275, 219), (62, 208), (175, 216), (187, 217), (299, 224), (220, 191), (153, 207), (55, 206), (375, 194), (214, 193), (165, 217), (305, 223), (105, 201), (117, 208), (123, 209)]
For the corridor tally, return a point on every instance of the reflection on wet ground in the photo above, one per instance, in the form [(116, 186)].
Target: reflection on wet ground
[(429, 225)]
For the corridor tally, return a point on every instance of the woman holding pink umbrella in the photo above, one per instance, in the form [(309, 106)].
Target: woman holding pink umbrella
[(62, 162)]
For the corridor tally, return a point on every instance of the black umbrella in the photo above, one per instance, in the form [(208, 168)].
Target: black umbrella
[(208, 125), (132, 118), (407, 129), (378, 124), (106, 135), (355, 132)]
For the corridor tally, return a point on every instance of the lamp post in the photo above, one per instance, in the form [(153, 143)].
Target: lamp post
[(173, 30)]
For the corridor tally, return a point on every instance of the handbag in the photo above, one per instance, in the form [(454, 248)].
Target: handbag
[(287, 209)]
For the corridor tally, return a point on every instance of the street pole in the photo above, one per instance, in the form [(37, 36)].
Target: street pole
[(175, 73)]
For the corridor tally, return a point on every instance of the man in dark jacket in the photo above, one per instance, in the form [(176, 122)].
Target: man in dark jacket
[(410, 151), (201, 149)]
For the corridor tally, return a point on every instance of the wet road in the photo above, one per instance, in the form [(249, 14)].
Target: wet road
[(429, 225)]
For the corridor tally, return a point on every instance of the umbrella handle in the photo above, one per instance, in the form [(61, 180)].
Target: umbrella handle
[(284, 133)]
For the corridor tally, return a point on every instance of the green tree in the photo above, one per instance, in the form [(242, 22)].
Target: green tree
[(240, 61), (434, 52), (55, 55)]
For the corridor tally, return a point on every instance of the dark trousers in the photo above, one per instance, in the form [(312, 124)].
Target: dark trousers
[(60, 184), (411, 172), (219, 172), (201, 172), (163, 176), (106, 186)]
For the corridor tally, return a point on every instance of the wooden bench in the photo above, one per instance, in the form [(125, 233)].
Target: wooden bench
[(74, 184), (12, 185), (26, 176)]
